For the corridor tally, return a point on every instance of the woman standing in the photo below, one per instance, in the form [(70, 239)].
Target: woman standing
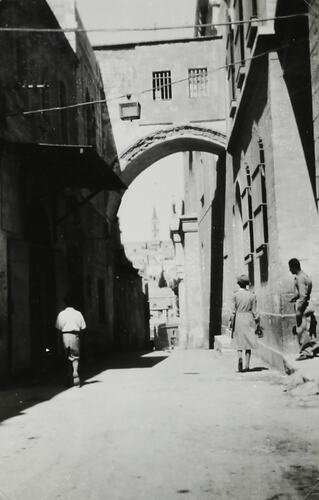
[(243, 322)]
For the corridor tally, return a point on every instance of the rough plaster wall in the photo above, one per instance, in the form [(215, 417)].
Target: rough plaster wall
[(124, 73), (42, 63)]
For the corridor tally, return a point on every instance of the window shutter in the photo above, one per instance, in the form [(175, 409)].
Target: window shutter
[(245, 205), (259, 233), (257, 188), (247, 224), (247, 241), (259, 209)]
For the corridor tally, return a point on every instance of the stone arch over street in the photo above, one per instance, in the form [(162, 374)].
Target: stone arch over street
[(160, 143), (195, 331)]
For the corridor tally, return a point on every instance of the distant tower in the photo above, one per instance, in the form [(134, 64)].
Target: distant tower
[(155, 225)]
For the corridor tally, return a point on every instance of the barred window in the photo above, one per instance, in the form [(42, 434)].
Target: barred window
[(162, 85), (260, 198), (198, 82), (248, 218)]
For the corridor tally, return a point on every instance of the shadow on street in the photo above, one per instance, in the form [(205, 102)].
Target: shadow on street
[(135, 360), (31, 390)]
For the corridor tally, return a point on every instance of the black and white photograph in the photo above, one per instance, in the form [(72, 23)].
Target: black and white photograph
[(159, 249)]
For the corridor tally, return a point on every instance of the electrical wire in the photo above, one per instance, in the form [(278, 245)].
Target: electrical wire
[(145, 91), (154, 28), (311, 7)]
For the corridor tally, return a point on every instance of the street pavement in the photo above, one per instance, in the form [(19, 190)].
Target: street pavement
[(161, 426)]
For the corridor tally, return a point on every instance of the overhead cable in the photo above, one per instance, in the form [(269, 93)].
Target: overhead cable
[(145, 91), (154, 28)]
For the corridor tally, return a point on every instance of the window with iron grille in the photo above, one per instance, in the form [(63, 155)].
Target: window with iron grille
[(162, 85), (198, 82)]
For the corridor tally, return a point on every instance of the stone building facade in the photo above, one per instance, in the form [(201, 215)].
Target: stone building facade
[(56, 172), (270, 212), (200, 233), (180, 93), (161, 273), (132, 311), (159, 75)]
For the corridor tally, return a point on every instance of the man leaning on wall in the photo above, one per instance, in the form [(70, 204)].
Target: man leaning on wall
[(305, 319)]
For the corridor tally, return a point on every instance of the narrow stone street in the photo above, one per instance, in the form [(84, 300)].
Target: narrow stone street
[(178, 425)]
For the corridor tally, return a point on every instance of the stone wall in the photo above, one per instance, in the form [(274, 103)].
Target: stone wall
[(50, 243), (272, 115), (123, 71), (204, 177), (131, 308)]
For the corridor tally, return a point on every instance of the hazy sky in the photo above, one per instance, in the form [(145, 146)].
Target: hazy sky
[(157, 187), (161, 183), (136, 13)]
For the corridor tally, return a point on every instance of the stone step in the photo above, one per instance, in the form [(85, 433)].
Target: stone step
[(222, 342)]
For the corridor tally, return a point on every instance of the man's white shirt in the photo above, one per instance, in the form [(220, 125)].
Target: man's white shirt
[(70, 320)]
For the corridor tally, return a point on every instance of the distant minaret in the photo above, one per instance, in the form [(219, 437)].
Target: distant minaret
[(155, 225)]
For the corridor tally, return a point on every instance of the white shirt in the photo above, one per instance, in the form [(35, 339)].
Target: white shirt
[(70, 320)]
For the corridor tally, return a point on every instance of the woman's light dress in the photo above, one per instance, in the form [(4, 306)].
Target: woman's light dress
[(244, 318)]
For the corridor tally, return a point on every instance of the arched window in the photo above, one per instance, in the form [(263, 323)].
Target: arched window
[(259, 199), (238, 231), (248, 229), (230, 62), (248, 218)]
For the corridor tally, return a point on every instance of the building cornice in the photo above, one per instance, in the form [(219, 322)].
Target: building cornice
[(132, 45)]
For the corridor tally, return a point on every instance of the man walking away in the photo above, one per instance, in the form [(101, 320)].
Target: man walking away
[(71, 322)]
